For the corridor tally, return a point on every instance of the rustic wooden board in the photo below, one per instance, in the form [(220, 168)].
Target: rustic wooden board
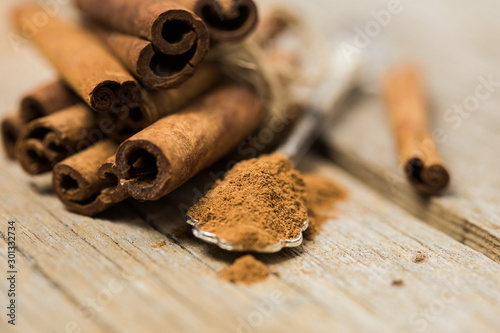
[(110, 277), (78, 274)]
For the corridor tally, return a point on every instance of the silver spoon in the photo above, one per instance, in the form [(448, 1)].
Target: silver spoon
[(325, 100)]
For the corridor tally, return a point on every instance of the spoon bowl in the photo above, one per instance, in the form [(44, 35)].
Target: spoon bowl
[(224, 244)]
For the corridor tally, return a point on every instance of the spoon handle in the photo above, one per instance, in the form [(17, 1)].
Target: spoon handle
[(324, 102)]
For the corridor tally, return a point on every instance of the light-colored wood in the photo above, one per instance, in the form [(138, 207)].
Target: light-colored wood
[(458, 54), (342, 280), (78, 274)]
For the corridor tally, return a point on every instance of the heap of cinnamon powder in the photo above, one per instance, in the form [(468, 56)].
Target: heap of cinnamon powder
[(264, 201), (259, 203), (246, 270)]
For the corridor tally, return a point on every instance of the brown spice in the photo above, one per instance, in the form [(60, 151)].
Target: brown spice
[(87, 183), (50, 139), (263, 201), (321, 195), (171, 28), (153, 69), (11, 128), (47, 99), (81, 59), (406, 105), (158, 244), (420, 257), (398, 283), (259, 203), (157, 160), (246, 270), (227, 20)]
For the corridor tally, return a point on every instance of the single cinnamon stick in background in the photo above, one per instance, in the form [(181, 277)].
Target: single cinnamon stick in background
[(46, 99), (163, 156), (50, 139), (12, 126), (153, 69), (407, 106), (81, 185), (81, 59), (227, 20), (170, 27)]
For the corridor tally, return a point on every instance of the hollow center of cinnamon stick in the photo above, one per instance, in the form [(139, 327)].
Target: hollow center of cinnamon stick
[(143, 166), (135, 114), (167, 65), (68, 183), (38, 133), (219, 21), (35, 158), (110, 180), (174, 31)]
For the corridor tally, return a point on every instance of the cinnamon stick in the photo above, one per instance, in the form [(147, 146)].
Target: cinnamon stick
[(50, 139), (157, 104), (46, 99), (82, 186), (163, 156), (227, 20), (12, 126), (171, 28), (153, 69), (81, 59), (406, 103)]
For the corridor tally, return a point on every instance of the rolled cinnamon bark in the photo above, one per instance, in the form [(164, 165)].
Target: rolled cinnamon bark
[(46, 99), (158, 104), (164, 102), (406, 104), (50, 139), (12, 126), (78, 184), (153, 69), (113, 191), (163, 156), (81, 58), (227, 20), (171, 28)]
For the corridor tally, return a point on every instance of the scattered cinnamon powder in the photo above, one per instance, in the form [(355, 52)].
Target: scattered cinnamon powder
[(321, 196), (259, 203), (398, 283), (246, 270), (420, 257), (159, 244)]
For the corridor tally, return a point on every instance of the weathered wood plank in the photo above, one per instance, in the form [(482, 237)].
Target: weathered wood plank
[(342, 280)]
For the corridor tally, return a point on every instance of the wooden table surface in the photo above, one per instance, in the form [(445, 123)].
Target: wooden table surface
[(79, 274)]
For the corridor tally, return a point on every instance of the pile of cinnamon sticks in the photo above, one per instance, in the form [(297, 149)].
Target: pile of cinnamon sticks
[(137, 109)]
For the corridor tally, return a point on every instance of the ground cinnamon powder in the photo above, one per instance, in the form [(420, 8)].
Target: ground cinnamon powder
[(263, 201), (246, 270), (260, 202), (321, 194)]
